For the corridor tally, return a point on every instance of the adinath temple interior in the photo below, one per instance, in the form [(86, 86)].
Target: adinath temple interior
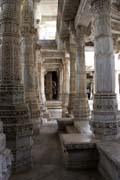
[(60, 89)]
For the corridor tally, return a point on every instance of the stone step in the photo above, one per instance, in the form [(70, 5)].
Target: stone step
[(109, 164), (63, 122), (79, 151), (71, 130)]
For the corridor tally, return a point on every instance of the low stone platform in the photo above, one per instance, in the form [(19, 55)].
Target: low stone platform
[(54, 108), (79, 151), (71, 129), (109, 164), (63, 122)]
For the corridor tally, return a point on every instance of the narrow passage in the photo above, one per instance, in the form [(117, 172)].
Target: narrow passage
[(48, 161)]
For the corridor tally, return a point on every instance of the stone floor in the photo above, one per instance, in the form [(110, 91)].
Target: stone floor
[(48, 161)]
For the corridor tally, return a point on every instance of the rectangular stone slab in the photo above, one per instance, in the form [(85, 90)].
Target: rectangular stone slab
[(63, 122), (78, 141), (79, 151), (109, 164)]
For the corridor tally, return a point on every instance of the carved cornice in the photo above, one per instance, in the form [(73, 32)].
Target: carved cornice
[(53, 54), (52, 64)]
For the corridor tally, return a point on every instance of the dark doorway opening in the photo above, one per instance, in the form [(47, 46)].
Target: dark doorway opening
[(51, 85)]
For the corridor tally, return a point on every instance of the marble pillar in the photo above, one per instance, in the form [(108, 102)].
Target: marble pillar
[(81, 107), (66, 80), (13, 109), (41, 82), (105, 117), (28, 55), (72, 78), (60, 82), (44, 113)]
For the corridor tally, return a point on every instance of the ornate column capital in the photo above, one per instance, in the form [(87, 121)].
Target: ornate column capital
[(27, 24)]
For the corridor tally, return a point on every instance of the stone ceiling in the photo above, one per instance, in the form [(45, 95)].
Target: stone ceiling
[(46, 8), (70, 9)]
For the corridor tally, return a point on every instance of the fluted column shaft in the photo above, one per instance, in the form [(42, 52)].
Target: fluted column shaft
[(105, 112), (13, 110)]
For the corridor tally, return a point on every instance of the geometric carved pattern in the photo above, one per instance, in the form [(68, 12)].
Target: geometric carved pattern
[(13, 110)]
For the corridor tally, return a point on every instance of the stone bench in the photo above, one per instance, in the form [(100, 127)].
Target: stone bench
[(63, 122), (109, 164), (79, 151)]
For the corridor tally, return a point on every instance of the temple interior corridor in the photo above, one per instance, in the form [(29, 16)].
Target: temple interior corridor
[(59, 89), (48, 159)]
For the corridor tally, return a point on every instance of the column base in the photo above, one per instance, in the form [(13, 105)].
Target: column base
[(83, 127), (65, 105), (18, 130), (108, 130), (44, 112), (35, 116), (82, 115), (71, 104), (81, 109), (105, 122)]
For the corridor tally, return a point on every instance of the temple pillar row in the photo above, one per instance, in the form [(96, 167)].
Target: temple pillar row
[(28, 55), (13, 110), (105, 116)]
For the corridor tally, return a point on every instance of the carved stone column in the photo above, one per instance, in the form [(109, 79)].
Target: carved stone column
[(13, 110), (60, 82), (72, 78), (66, 79), (106, 119), (28, 54), (44, 113), (81, 107)]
